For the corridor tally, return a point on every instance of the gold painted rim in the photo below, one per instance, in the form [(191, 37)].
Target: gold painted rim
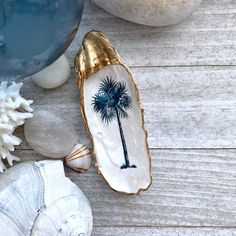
[(95, 53)]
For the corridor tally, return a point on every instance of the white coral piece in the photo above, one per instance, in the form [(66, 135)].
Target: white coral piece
[(14, 109)]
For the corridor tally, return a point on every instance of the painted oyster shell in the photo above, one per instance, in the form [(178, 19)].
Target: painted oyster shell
[(150, 12), (37, 199), (80, 159), (114, 118)]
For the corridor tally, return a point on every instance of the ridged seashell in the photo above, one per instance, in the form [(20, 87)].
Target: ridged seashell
[(37, 199), (80, 158), (112, 113), (14, 110), (150, 12), (48, 134)]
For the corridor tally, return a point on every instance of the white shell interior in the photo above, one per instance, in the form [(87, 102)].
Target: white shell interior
[(37, 199), (150, 12), (106, 137)]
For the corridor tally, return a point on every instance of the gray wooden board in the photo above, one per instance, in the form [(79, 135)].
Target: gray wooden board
[(206, 38), (115, 231), (185, 107), (187, 79)]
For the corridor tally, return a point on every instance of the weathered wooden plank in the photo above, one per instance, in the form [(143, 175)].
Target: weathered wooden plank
[(156, 84), (171, 231), (206, 38), (185, 107), (190, 188)]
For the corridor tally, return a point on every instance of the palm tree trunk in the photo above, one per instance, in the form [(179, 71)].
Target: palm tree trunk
[(127, 164)]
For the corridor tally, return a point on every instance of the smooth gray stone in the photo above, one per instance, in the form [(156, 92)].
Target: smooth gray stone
[(48, 135), (150, 12)]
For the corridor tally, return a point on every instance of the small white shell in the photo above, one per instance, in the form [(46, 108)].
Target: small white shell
[(80, 158), (37, 200), (54, 75)]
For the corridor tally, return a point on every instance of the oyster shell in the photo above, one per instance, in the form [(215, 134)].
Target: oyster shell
[(113, 115), (37, 199)]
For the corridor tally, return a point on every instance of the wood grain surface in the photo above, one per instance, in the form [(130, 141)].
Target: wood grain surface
[(187, 79), (132, 231)]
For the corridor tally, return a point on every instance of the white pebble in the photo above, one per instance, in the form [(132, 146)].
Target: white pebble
[(48, 135), (54, 75)]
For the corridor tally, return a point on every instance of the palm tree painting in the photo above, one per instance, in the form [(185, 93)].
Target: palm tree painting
[(112, 102)]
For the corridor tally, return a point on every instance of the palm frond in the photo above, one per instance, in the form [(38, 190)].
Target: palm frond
[(100, 104), (99, 101), (122, 113), (112, 99), (108, 85), (125, 102), (121, 89), (108, 115)]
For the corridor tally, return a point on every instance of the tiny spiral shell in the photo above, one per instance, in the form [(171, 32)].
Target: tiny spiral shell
[(80, 158)]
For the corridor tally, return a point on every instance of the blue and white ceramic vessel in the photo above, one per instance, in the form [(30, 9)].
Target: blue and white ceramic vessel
[(34, 33)]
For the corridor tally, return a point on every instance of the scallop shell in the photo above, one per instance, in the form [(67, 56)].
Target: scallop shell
[(113, 115), (150, 12), (80, 158), (36, 199)]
